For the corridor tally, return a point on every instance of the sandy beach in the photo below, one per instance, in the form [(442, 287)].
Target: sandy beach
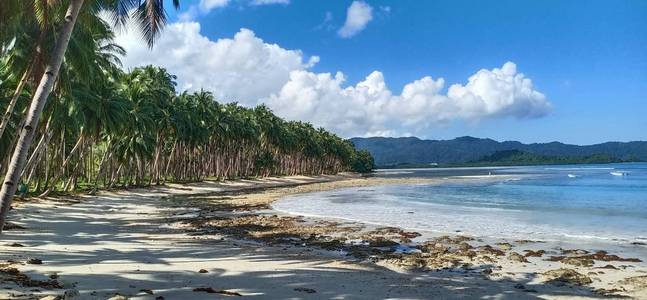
[(214, 240)]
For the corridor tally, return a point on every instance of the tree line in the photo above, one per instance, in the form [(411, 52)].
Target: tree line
[(74, 120)]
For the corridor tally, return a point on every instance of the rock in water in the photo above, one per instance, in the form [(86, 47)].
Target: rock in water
[(34, 261), (306, 290), (147, 291)]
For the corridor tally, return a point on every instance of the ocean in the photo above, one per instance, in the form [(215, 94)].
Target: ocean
[(593, 203)]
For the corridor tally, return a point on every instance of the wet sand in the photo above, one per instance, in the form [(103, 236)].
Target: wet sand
[(211, 240)]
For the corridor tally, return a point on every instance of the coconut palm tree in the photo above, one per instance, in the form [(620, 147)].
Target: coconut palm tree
[(104, 128), (133, 129), (151, 16)]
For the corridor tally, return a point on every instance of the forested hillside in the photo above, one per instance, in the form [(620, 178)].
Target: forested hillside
[(411, 150)]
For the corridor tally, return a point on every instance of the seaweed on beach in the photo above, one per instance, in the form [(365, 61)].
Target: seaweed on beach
[(586, 259), (10, 274), (566, 276)]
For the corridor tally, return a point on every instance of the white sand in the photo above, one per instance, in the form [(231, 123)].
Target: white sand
[(119, 242)]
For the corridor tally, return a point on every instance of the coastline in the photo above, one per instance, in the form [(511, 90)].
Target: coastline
[(497, 258), (237, 214)]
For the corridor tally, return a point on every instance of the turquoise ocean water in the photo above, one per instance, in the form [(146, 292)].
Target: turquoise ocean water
[(598, 203)]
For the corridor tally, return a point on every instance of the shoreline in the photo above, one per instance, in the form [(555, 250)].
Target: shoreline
[(556, 254), (637, 244), (212, 218)]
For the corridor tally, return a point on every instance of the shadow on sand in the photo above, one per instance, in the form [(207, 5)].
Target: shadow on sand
[(118, 243)]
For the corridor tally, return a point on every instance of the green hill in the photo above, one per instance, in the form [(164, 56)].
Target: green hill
[(413, 151)]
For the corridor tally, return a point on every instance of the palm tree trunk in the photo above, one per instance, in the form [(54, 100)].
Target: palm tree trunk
[(77, 146), (44, 140), (106, 155), (7, 115), (12, 177), (170, 158)]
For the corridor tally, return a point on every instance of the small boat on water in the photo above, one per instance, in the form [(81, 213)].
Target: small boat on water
[(572, 175), (618, 173)]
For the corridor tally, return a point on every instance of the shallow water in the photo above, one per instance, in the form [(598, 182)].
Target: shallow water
[(582, 202)]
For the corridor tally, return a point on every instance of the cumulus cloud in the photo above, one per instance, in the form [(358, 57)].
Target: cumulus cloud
[(371, 108), (358, 15), (251, 71), (497, 92), (243, 68)]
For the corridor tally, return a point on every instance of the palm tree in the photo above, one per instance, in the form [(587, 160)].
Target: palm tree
[(151, 16), (102, 127), (133, 129)]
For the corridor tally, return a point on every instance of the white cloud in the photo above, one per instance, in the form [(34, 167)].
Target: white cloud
[(268, 2), (371, 108), (202, 8), (208, 5), (242, 69), (251, 71), (359, 13), (497, 92)]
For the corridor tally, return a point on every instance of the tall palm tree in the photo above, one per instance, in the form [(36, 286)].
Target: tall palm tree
[(151, 16)]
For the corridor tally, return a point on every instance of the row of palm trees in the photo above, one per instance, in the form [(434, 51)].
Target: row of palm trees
[(132, 129), (73, 120)]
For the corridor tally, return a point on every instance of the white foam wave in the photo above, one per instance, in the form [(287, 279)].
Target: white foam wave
[(377, 208)]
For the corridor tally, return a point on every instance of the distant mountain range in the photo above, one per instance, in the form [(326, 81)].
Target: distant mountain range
[(414, 151)]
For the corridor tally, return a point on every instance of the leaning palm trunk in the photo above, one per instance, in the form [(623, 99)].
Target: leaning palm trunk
[(106, 156), (35, 156), (78, 145), (14, 99), (12, 177)]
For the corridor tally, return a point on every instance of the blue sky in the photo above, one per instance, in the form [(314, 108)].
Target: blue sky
[(586, 59)]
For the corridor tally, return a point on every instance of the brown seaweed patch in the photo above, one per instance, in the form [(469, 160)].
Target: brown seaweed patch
[(531, 253), (427, 261), (566, 276), (13, 226), (611, 292), (268, 227), (638, 282), (487, 249), (14, 275), (514, 256), (612, 267), (504, 246), (389, 233), (588, 259)]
